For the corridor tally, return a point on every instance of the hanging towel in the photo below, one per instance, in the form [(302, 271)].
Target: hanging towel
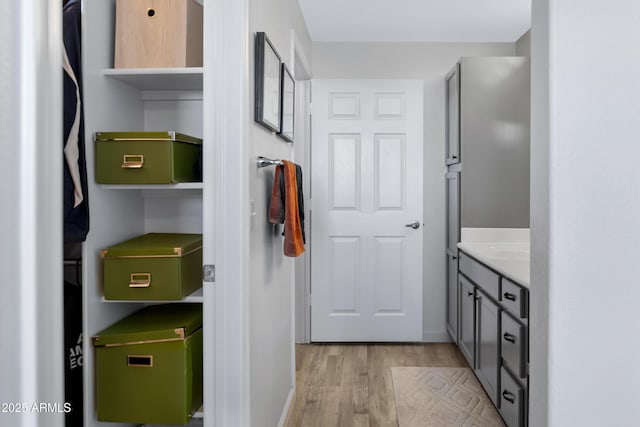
[(286, 206)]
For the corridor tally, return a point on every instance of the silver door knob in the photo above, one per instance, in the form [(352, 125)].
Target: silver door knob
[(414, 224)]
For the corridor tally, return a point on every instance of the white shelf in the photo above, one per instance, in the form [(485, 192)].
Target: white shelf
[(159, 78), (178, 186), (195, 298)]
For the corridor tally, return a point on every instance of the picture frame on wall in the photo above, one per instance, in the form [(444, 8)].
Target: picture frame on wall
[(288, 94), (267, 84)]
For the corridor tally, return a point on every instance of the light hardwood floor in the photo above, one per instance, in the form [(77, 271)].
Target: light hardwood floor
[(350, 384)]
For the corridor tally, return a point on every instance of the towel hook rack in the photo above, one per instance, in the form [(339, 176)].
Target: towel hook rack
[(264, 162)]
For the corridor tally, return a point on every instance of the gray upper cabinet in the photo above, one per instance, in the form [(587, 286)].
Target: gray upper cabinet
[(452, 147), (492, 145), (453, 210)]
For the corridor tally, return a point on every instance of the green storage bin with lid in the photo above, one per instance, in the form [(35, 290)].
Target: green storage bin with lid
[(153, 267), (147, 158), (149, 366)]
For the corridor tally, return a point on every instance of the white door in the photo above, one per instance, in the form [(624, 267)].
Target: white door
[(366, 262)]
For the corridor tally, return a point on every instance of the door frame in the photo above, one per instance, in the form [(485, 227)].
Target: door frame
[(302, 156)]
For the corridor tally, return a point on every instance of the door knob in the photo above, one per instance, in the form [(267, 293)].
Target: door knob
[(414, 224)]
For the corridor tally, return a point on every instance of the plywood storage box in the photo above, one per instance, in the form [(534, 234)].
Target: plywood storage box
[(153, 267), (158, 34), (149, 366)]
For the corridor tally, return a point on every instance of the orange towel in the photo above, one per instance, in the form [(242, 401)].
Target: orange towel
[(285, 209)]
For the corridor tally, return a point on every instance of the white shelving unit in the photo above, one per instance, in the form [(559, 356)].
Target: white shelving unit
[(195, 298), (155, 78), (135, 100)]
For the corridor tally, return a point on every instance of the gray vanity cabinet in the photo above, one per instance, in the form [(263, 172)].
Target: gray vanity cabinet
[(493, 336), (488, 344), (452, 295), (466, 327)]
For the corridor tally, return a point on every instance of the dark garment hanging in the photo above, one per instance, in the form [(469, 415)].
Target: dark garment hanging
[(76, 197), (300, 201)]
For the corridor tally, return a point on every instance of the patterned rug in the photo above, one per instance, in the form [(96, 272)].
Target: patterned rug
[(441, 397)]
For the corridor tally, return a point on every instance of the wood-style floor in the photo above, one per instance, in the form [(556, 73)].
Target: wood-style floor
[(350, 384)]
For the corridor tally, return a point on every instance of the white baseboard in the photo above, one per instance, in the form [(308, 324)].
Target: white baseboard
[(285, 411), (436, 337)]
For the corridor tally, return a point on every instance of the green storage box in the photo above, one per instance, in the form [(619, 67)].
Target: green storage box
[(149, 366), (147, 158), (153, 267)]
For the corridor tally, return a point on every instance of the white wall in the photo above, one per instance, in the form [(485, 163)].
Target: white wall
[(429, 62), (586, 213), (31, 290), (271, 274)]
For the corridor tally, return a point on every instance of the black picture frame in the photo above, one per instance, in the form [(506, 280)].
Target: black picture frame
[(287, 104), (267, 83)]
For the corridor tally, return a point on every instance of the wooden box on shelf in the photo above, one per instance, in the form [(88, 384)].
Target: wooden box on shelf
[(149, 366), (158, 34)]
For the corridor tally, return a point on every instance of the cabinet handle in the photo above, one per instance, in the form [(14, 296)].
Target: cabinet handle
[(509, 337), (132, 161), (140, 280), (469, 294), (453, 257), (454, 157), (508, 396), (509, 296)]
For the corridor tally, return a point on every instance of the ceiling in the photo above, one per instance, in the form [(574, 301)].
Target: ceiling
[(417, 20)]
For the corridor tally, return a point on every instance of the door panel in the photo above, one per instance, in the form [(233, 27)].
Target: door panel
[(487, 347), (453, 210), (344, 175), (390, 171), (366, 185), (467, 337), (453, 116), (452, 296), (345, 266), (388, 275)]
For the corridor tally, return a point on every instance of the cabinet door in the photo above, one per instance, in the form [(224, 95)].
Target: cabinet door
[(453, 210), (466, 331), (453, 116), (487, 354), (452, 295)]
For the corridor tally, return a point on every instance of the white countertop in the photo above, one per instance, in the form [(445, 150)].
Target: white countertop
[(508, 255)]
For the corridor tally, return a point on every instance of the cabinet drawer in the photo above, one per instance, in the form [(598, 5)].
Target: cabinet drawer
[(513, 337), (511, 400), (481, 275), (514, 298)]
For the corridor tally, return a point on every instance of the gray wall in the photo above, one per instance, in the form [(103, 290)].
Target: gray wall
[(523, 45), (585, 228), (429, 62), (271, 308)]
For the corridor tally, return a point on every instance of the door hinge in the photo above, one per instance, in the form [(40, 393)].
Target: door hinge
[(209, 273)]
